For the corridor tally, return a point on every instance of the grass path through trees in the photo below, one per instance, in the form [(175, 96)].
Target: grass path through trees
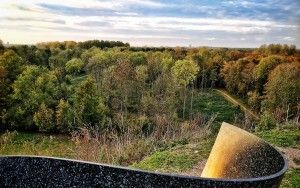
[(237, 102)]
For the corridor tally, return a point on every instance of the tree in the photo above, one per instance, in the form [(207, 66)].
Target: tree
[(138, 58), (64, 116), (98, 61), (184, 72), (283, 87), (34, 86), (238, 76), (44, 118), (265, 66), (10, 67), (12, 63), (1, 47), (89, 107), (74, 66)]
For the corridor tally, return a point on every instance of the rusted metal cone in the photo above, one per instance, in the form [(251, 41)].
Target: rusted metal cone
[(238, 154)]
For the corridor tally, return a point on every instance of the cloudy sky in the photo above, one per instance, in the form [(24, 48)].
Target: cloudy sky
[(227, 23)]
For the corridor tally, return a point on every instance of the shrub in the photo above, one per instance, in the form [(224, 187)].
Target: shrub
[(267, 121), (44, 118)]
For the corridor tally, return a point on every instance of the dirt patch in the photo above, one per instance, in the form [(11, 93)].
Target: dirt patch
[(292, 155)]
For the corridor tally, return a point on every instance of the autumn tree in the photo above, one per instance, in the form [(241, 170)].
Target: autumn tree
[(283, 87), (238, 76), (265, 66), (44, 118)]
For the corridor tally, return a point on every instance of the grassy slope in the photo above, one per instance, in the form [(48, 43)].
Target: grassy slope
[(15, 143), (178, 158)]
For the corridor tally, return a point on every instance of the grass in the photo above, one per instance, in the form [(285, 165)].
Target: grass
[(281, 138), (178, 158), (291, 179), (210, 103), (16, 143)]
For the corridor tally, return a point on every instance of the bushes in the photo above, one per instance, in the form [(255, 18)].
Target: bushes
[(266, 122), (44, 118)]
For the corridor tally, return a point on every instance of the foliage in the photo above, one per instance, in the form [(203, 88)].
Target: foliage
[(184, 71), (109, 85), (64, 117), (43, 118), (266, 121), (283, 86), (277, 49), (89, 108), (1, 46), (238, 76), (10, 66), (74, 66), (254, 100)]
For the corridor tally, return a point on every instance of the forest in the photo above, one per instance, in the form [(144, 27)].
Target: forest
[(62, 87)]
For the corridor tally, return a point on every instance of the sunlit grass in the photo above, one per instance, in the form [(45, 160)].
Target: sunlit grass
[(17, 143)]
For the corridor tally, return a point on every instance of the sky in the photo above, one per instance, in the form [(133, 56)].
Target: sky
[(222, 23)]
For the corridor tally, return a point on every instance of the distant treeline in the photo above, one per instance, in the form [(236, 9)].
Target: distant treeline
[(110, 86)]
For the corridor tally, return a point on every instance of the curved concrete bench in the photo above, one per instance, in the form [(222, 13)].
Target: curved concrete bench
[(238, 159)]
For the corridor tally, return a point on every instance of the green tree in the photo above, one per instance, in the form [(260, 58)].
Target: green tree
[(11, 66), (12, 63), (74, 66), (34, 86), (64, 116), (138, 58), (89, 106), (184, 72)]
